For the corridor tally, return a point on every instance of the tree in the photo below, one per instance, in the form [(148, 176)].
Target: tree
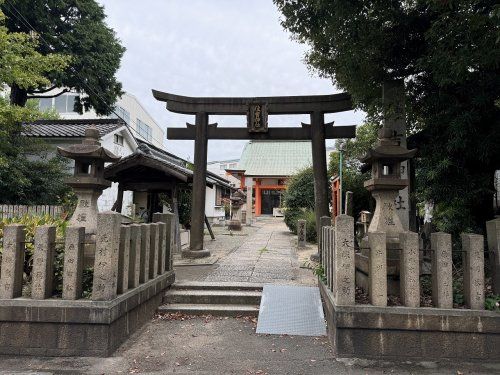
[(447, 52), (298, 200), (352, 177), (76, 29), (25, 179)]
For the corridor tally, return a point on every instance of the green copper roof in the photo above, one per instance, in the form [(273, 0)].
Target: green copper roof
[(275, 158)]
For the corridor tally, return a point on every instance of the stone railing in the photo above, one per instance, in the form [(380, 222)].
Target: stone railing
[(125, 257), (8, 211), (132, 266), (377, 330)]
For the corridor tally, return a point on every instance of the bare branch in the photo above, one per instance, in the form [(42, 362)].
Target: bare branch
[(47, 97)]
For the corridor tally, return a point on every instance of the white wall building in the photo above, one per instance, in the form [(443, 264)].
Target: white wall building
[(219, 168), (127, 107)]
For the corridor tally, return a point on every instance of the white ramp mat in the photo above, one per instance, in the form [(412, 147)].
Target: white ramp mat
[(291, 310)]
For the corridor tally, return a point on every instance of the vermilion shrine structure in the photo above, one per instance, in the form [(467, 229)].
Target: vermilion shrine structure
[(257, 111)]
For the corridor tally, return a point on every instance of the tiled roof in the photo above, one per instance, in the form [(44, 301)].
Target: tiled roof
[(275, 158), (69, 128)]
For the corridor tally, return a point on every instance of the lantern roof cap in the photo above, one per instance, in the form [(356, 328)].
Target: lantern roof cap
[(90, 148), (387, 147)]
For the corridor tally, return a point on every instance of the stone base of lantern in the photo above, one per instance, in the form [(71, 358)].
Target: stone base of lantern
[(234, 225)]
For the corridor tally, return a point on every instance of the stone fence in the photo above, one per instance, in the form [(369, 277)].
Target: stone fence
[(8, 211), (376, 330), (132, 266)]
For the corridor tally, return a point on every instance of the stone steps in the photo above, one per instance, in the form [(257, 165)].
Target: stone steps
[(210, 309), (217, 297), (208, 298), (206, 285)]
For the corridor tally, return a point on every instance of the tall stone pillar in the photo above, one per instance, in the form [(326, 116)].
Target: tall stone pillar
[(134, 256), (124, 259), (393, 96)]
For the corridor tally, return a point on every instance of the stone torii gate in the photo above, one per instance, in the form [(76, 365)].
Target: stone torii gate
[(256, 110)]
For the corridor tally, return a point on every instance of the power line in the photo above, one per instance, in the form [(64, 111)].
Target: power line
[(89, 88)]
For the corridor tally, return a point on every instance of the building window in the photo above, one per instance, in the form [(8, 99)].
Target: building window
[(119, 139), (144, 130), (64, 103), (222, 167), (122, 113)]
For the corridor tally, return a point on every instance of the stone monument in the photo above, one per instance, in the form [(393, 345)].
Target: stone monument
[(238, 198), (88, 177)]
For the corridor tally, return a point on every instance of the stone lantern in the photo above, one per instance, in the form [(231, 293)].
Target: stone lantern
[(238, 198), (386, 181), (385, 160), (88, 177)]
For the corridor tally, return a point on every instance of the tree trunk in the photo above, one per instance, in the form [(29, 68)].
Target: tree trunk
[(18, 96)]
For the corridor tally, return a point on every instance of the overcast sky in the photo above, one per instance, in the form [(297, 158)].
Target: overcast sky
[(211, 48)]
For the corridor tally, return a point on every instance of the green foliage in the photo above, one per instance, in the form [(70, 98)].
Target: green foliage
[(78, 30), (300, 190), (31, 222), (298, 201), (28, 172), (20, 62), (185, 207), (319, 271), (447, 53), (492, 303), (353, 178)]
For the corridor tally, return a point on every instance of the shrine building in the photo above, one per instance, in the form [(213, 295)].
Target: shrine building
[(267, 166)]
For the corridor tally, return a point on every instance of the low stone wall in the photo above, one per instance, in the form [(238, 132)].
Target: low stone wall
[(411, 333), (132, 268), (77, 328)]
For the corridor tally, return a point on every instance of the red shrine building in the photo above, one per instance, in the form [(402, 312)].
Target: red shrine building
[(266, 166)]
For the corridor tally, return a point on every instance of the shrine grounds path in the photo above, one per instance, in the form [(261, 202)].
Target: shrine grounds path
[(177, 344)]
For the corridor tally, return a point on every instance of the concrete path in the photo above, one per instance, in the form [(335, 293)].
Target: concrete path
[(264, 253), (266, 256)]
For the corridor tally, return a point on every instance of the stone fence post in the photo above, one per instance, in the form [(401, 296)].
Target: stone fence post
[(330, 243), (154, 250), (73, 263), (493, 233), (442, 287), (473, 263), (324, 221), (167, 239), (43, 262), (145, 248), (11, 280), (106, 256), (410, 269), (378, 268), (134, 256), (343, 261), (123, 259)]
